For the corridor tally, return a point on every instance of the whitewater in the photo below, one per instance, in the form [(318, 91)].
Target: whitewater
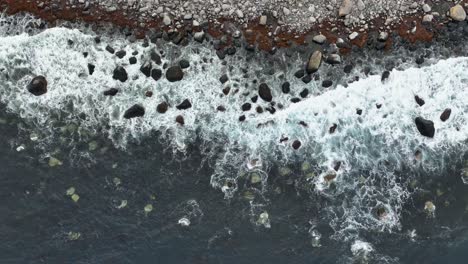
[(375, 149)]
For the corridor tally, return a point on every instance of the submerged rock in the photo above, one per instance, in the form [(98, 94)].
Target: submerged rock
[(264, 92), (446, 114), (38, 86), (174, 74), (425, 127), (134, 111), (120, 74)]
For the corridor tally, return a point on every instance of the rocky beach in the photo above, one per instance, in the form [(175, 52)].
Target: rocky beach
[(234, 131)]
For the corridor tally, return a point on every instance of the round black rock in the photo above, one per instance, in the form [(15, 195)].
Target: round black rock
[(120, 54), (296, 144), (134, 111), (304, 93), (162, 107), (132, 60), (38, 86), (264, 92), (425, 127), (180, 120), (120, 74), (174, 74)]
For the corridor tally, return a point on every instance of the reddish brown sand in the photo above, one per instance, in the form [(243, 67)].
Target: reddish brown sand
[(254, 34)]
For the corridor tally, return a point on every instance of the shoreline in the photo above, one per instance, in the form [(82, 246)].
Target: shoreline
[(267, 37)]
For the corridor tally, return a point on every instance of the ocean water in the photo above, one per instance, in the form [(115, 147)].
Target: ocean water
[(221, 190)]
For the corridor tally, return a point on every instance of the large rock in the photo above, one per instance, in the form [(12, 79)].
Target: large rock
[(425, 127), (146, 68), (120, 74), (314, 62), (345, 8), (457, 13), (134, 111), (162, 107), (174, 74), (38, 86), (264, 92)]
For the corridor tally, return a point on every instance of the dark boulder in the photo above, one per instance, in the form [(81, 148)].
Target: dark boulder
[(286, 87), (91, 68), (120, 54), (242, 118), (174, 74), (246, 107), (327, 83), (146, 68), (425, 127), (221, 108), (110, 49), (385, 75), (155, 57), (446, 114), (419, 100), (180, 119), (134, 111), (299, 74), (38, 86), (162, 107), (304, 93), (184, 105), (224, 78), (264, 92), (296, 144), (184, 64), (120, 74), (132, 60), (148, 93), (348, 68), (156, 74), (333, 128), (111, 92)]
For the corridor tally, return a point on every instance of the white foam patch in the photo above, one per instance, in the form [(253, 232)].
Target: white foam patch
[(377, 143)]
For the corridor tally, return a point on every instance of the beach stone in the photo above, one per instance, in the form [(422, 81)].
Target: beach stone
[(314, 62), (184, 105), (320, 39), (327, 83), (224, 78), (120, 74), (174, 74), (333, 59), (110, 49), (111, 92), (425, 127), (446, 114), (264, 92), (162, 107), (263, 20), (38, 86), (385, 76), (132, 60), (457, 13), (345, 8), (134, 111)]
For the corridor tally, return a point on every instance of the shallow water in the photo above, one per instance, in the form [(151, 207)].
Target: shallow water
[(204, 172)]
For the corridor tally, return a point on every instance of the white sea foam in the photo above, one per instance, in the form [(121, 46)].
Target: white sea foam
[(376, 144)]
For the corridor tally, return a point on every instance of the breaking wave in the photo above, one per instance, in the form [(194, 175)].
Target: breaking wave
[(361, 169)]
